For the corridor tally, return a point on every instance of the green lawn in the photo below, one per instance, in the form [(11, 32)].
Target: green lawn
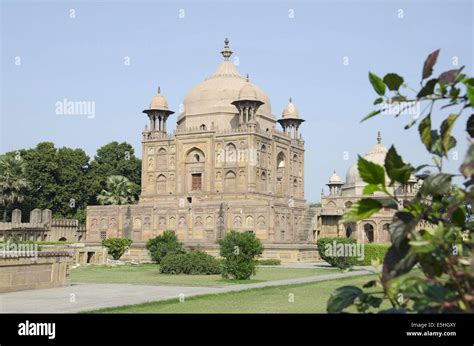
[(148, 274), (308, 298)]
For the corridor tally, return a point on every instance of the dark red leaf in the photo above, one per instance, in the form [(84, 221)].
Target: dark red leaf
[(449, 77), (429, 63)]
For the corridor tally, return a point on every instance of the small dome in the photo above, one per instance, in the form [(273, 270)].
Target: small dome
[(248, 92), (376, 155), (159, 102), (290, 111), (335, 179)]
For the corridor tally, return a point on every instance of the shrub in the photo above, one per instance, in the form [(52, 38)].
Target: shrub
[(239, 251), (116, 246), (269, 262), (192, 263), (328, 250), (164, 244), (373, 252)]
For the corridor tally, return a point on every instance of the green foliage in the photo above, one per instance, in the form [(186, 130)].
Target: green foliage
[(433, 231), (393, 81), (269, 262), (373, 253), (377, 83), (328, 250), (162, 245), (58, 179), (115, 159), (13, 184), (192, 263), (119, 191), (116, 246), (397, 170), (240, 251), (63, 180)]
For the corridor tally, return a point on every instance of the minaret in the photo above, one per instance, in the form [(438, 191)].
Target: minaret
[(247, 105), (290, 120), (335, 183), (158, 113)]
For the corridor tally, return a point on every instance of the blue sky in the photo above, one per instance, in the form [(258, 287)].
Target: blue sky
[(82, 59)]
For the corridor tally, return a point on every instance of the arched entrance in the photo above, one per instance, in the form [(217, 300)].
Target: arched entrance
[(369, 233)]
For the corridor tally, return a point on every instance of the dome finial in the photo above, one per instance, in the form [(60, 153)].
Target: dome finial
[(248, 78), (159, 89), (379, 138), (226, 52), (291, 100)]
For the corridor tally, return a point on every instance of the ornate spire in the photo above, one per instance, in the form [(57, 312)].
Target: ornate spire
[(226, 52), (379, 138)]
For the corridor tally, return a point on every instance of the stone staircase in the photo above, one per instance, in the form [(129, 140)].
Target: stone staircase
[(307, 229)]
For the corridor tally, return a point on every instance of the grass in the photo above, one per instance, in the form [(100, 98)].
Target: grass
[(148, 274), (307, 298)]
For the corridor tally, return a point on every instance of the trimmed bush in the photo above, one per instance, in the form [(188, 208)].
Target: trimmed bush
[(239, 250), (373, 252), (116, 246), (333, 251), (164, 244), (191, 263), (269, 262)]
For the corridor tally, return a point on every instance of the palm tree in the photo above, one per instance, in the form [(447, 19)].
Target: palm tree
[(119, 190), (12, 181)]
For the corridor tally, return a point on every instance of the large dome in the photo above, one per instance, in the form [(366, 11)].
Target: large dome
[(376, 155), (211, 100)]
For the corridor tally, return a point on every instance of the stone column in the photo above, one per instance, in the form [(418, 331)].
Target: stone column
[(16, 216)]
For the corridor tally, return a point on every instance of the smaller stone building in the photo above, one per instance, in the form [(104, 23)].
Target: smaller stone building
[(342, 195), (42, 227)]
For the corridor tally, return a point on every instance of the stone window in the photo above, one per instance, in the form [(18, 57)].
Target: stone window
[(103, 235), (196, 181)]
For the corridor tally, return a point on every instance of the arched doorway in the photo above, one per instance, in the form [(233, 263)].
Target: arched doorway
[(385, 238), (369, 233)]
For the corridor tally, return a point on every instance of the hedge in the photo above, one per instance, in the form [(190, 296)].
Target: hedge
[(373, 252), (341, 261), (191, 263), (269, 262)]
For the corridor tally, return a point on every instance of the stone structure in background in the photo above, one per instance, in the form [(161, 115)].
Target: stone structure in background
[(342, 195), (225, 167), (42, 227)]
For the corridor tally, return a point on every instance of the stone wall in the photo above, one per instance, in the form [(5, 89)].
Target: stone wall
[(287, 253), (41, 227), (48, 269)]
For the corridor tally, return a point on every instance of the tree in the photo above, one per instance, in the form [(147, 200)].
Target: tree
[(58, 179), (114, 159), (240, 251), (164, 244), (13, 183), (118, 191), (434, 231), (116, 247)]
